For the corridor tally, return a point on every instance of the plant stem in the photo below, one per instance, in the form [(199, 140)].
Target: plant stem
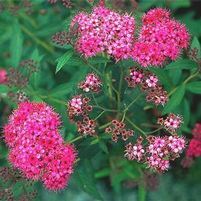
[(75, 139), (105, 125), (135, 126), (37, 40), (100, 115), (126, 109), (104, 109)]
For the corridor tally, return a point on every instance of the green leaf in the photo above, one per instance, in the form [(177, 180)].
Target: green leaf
[(84, 177), (175, 99), (181, 64), (3, 88), (16, 44), (61, 61), (195, 44), (194, 87)]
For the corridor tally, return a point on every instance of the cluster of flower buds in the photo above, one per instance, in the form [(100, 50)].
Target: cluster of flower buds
[(160, 38), (3, 76), (36, 147), (158, 153), (148, 82), (171, 123), (104, 31), (66, 3), (91, 83), (78, 112), (117, 129), (194, 148)]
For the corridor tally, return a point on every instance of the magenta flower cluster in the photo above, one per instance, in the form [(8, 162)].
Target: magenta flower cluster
[(160, 38), (36, 147), (104, 31)]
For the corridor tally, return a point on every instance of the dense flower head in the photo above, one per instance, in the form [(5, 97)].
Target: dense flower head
[(104, 31), (3, 76), (158, 153), (35, 143), (194, 148), (172, 122), (91, 83), (117, 129), (160, 38)]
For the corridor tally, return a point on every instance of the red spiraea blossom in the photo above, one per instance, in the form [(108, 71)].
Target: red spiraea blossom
[(118, 129), (3, 76), (194, 148), (160, 38), (91, 83), (35, 145), (104, 31), (158, 153)]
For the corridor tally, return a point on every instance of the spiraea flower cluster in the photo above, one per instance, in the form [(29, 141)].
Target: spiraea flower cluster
[(158, 153), (36, 147), (171, 123), (149, 83), (160, 38), (194, 148), (91, 83), (78, 112), (3, 76), (117, 129), (104, 31)]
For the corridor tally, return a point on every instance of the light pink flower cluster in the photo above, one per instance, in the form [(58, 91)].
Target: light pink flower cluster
[(194, 148), (3, 76), (91, 83), (159, 152), (104, 31), (36, 147), (160, 38), (78, 112), (171, 123), (78, 106), (149, 83)]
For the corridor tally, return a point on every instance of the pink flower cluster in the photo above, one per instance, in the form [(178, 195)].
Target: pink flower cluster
[(3, 76), (117, 129), (160, 38), (78, 112), (159, 152), (149, 84), (36, 147), (104, 31), (171, 123), (194, 148), (91, 83)]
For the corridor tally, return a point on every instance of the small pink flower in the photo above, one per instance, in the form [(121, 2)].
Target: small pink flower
[(152, 81), (91, 83), (3, 76)]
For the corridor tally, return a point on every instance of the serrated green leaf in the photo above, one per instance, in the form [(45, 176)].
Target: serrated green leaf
[(181, 64), (16, 44), (63, 60), (194, 87), (175, 99)]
